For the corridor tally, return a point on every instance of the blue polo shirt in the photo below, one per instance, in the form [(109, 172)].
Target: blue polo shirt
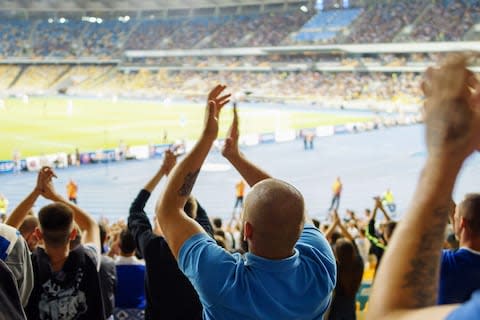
[(251, 287), (459, 275), (469, 310)]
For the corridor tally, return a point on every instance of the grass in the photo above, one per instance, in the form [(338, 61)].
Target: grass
[(43, 125)]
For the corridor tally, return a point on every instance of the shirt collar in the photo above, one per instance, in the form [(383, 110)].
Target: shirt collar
[(258, 262)]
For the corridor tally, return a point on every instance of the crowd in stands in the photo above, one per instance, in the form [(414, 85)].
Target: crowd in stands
[(305, 85), (446, 21), (383, 21), (380, 21), (271, 261)]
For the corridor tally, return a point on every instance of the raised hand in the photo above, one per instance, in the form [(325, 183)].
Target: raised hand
[(169, 161), (452, 110), (230, 148), (215, 104), (45, 175)]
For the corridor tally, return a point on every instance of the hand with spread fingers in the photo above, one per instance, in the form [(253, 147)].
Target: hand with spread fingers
[(230, 148), (215, 103), (452, 109)]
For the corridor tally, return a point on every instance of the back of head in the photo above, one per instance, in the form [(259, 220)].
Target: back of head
[(217, 223), (127, 242), (103, 233), (275, 211), (56, 223), (350, 267), (469, 209), (190, 207)]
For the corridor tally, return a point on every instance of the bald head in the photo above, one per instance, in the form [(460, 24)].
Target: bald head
[(274, 211)]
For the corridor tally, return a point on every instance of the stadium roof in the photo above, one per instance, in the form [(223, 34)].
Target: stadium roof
[(134, 5)]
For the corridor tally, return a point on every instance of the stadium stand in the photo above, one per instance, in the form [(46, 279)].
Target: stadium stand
[(325, 25)]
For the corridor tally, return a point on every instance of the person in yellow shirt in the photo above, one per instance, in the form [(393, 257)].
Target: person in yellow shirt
[(72, 190), (3, 205), (337, 191), (239, 193)]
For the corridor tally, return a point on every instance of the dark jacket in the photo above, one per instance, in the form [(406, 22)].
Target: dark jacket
[(170, 295)]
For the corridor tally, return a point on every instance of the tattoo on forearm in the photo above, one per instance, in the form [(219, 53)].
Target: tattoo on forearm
[(188, 183), (422, 278)]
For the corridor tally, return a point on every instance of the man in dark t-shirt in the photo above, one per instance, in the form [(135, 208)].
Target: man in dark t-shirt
[(66, 282), (169, 294)]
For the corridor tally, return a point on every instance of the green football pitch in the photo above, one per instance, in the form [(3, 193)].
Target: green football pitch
[(49, 124)]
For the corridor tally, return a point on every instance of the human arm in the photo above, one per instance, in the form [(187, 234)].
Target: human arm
[(406, 284), (21, 211), (169, 162), (342, 228), (176, 225), (138, 222), (249, 171)]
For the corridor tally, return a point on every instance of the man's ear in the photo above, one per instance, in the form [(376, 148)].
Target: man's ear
[(247, 231), (38, 233), (73, 234)]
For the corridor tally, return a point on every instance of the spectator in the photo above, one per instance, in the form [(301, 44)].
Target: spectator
[(289, 271), (349, 274), (406, 285), (459, 270), (169, 294), (14, 252), (27, 229), (10, 304), (379, 242), (108, 276), (66, 281), (130, 293), (3, 205)]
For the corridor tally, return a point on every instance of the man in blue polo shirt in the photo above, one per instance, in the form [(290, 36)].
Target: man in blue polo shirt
[(289, 271), (460, 269)]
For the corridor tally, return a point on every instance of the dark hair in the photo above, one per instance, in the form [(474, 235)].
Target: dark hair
[(217, 223), (316, 223), (349, 267), (190, 207), (56, 222), (389, 228), (470, 210), (103, 233), (127, 242)]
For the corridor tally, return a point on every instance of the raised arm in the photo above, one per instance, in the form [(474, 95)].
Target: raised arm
[(249, 171), (342, 228), (169, 162), (406, 283), (176, 225), (20, 212)]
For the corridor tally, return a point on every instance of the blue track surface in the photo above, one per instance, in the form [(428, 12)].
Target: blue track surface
[(368, 163)]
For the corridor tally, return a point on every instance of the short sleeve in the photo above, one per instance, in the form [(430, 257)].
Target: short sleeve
[(313, 237), (209, 267), (93, 253), (468, 310)]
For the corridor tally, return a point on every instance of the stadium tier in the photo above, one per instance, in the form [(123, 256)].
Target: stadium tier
[(79, 35)]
